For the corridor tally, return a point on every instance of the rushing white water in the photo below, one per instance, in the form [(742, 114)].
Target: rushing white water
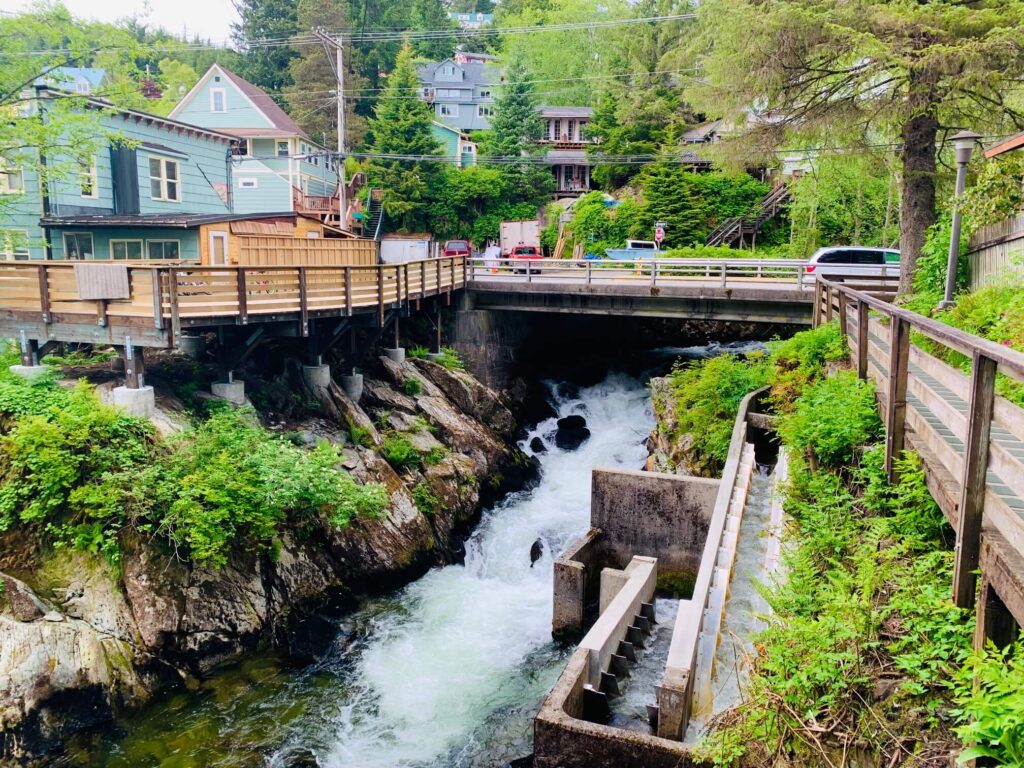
[(456, 651)]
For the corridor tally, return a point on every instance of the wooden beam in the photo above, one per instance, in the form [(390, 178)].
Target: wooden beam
[(303, 304), (972, 484), (896, 400), (816, 313), (842, 314), (862, 340), (994, 622), (44, 293), (243, 297)]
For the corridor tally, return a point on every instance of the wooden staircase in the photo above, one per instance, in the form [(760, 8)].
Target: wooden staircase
[(744, 228)]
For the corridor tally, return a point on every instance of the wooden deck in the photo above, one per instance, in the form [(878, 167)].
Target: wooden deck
[(971, 441), (42, 301)]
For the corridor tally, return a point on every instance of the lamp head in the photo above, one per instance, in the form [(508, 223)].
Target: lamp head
[(964, 143)]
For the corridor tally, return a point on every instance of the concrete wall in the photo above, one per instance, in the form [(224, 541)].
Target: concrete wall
[(577, 579), (653, 514)]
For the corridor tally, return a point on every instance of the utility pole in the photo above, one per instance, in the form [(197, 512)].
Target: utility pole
[(338, 65)]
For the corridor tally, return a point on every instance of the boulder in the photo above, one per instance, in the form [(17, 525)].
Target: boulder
[(25, 605), (572, 422), (537, 445), (472, 397), (572, 432)]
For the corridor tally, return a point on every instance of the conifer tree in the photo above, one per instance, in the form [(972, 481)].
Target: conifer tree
[(402, 126), (516, 131), (266, 65), (432, 15)]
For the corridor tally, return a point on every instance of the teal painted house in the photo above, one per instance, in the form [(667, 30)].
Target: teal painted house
[(276, 166), (455, 144), (118, 205)]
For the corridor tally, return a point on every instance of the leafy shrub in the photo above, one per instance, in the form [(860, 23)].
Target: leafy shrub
[(418, 352), (434, 456), (831, 418), (933, 263), (991, 699), (801, 359), (398, 451), (425, 498), (447, 357), (412, 386)]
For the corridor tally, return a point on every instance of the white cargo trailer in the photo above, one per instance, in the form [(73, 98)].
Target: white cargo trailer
[(515, 233)]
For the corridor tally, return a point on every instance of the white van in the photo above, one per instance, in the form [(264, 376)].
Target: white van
[(853, 261)]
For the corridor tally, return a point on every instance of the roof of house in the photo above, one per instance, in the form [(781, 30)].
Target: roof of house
[(281, 123), (476, 73), (701, 133), (1008, 145), (173, 220), (552, 111), (92, 75)]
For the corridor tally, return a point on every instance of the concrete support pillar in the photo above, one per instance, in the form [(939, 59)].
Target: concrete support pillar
[(138, 401), (134, 365), (28, 371), (352, 386), (397, 354), (232, 390), (29, 349), (317, 377)]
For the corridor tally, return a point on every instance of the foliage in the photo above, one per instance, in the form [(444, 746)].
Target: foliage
[(402, 126), (425, 498), (465, 197), (398, 451), (933, 264), (411, 386), (433, 15), (265, 65), (996, 193), (705, 399), (79, 473), (831, 418), (516, 130), (448, 357), (844, 199), (991, 699), (800, 360), (832, 74)]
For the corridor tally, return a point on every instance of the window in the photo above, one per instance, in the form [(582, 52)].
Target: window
[(164, 179), (241, 148), (12, 180), (247, 183), (14, 244), (164, 249), (484, 111), (485, 94), (125, 249), (218, 100), (78, 245), (451, 93), (89, 178), (282, 149), (448, 110)]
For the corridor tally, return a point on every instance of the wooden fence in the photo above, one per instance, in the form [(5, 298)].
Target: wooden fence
[(268, 251), (970, 439), (996, 253)]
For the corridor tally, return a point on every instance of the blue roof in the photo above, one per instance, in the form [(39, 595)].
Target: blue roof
[(63, 75)]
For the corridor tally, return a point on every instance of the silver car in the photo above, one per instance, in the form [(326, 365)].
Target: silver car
[(853, 261)]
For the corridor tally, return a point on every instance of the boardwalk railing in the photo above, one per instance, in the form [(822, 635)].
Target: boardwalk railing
[(970, 439), (662, 271), (168, 297)]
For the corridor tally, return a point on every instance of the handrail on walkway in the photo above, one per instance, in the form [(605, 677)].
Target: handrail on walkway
[(982, 405)]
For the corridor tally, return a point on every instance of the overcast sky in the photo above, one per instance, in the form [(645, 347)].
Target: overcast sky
[(208, 18)]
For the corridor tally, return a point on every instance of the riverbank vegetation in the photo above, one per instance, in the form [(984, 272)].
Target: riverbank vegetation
[(78, 473), (864, 658)]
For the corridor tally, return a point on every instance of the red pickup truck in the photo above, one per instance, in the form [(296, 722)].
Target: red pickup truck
[(521, 252)]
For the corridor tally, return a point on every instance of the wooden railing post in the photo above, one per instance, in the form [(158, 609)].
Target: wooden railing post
[(348, 291), (423, 279), (44, 293), (303, 304), (862, 340), (972, 484), (828, 303), (172, 295), (842, 313), (158, 300), (243, 296), (896, 401), (380, 295), (816, 312)]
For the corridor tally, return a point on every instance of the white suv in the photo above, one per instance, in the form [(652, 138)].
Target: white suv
[(852, 261)]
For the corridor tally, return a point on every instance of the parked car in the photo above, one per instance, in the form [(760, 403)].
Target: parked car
[(456, 248), (852, 261), (531, 252)]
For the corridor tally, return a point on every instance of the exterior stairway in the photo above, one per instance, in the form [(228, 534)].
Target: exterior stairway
[(374, 215), (735, 231)]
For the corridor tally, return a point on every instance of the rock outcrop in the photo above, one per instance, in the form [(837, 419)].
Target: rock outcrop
[(78, 641)]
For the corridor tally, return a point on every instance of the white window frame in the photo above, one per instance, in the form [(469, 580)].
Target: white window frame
[(480, 110), (287, 148), (92, 243), (6, 172), (442, 107), (126, 241), (163, 179), (485, 94), (10, 252), (149, 243), (223, 100), (248, 182), (242, 149), (91, 175)]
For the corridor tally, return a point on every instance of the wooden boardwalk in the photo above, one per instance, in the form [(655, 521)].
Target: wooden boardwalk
[(971, 442), (50, 301)]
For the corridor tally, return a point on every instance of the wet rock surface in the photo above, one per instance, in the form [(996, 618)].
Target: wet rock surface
[(87, 641), (572, 432)]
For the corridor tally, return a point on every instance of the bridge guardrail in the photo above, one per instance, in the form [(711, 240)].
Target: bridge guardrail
[(663, 271)]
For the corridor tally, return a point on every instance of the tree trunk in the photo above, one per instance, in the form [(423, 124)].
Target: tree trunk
[(917, 203)]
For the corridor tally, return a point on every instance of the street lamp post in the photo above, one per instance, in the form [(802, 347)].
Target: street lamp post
[(964, 143)]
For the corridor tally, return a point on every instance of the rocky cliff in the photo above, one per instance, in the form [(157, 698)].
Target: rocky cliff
[(80, 641)]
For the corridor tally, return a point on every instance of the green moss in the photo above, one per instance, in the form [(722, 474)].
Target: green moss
[(677, 584), (426, 500)]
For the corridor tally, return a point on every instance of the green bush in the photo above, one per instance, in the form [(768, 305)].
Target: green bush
[(425, 498), (398, 451), (991, 699), (831, 418), (412, 386), (801, 359)]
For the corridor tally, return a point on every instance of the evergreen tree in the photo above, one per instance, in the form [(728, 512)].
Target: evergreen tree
[(311, 100), (266, 65), (432, 15), (516, 131), (402, 126), (672, 197)]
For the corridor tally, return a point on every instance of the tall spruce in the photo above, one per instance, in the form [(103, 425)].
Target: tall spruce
[(401, 125), (516, 131), (836, 73), (432, 15), (266, 65)]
